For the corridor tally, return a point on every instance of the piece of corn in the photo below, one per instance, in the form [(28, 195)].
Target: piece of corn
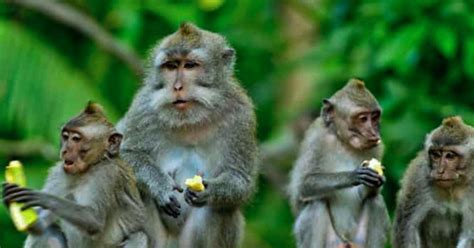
[(26, 218), (195, 183), (375, 165)]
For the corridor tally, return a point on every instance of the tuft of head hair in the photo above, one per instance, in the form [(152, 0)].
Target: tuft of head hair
[(188, 28), (93, 108), (93, 113), (356, 92), (453, 131), (356, 83), (453, 122)]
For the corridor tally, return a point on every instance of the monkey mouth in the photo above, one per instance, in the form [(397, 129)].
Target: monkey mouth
[(181, 104)]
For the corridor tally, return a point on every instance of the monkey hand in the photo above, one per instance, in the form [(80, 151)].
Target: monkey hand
[(197, 198), (31, 198), (368, 177), (168, 202)]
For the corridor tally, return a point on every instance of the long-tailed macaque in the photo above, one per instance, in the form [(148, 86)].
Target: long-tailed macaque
[(335, 198), (92, 192), (192, 117), (436, 202)]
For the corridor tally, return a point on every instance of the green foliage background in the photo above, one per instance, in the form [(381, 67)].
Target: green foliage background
[(416, 56)]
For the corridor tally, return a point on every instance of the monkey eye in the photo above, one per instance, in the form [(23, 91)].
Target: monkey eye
[(435, 155), (64, 135), (76, 137), (159, 86), (376, 116), (450, 155), (363, 118), (170, 65), (190, 65)]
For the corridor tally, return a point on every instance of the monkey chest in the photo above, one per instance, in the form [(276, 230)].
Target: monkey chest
[(441, 229), (185, 162)]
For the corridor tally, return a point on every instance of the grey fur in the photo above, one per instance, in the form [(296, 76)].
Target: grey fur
[(422, 217), (216, 138), (105, 195), (325, 193)]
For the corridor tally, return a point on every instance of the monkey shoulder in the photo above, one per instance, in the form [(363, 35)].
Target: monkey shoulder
[(57, 180)]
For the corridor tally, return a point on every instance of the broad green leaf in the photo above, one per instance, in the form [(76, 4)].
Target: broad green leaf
[(468, 59), (42, 91), (446, 41)]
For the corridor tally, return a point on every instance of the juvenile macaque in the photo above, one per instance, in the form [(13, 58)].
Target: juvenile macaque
[(190, 118), (336, 198), (436, 202), (92, 192)]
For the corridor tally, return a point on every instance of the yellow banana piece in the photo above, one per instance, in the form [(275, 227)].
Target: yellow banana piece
[(375, 165), (195, 183), (23, 219)]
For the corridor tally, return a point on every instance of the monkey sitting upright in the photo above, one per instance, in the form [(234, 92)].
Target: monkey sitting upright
[(436, 202), (335, 198), (191, 117), (91, 191)]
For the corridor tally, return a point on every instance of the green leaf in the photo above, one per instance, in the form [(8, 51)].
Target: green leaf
[(446, 41), (401, 51), (468, 60), (40, 89)]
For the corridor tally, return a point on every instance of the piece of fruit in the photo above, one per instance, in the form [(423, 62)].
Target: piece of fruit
[(23, 219), (375, 165), (195, 183)]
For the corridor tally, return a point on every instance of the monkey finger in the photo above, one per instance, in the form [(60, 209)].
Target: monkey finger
[(21, 198), (168, 212), (368, 179), (30, 205), (11, 188), (173, 210), (368, 171), (175, 202), (178, 188), (205, 183), (191, 192)]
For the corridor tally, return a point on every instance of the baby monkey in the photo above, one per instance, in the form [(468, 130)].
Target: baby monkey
[(91, 193)]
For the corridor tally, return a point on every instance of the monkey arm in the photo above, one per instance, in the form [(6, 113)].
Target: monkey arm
[(230, 189), (87, 218), (235, 183), (322, 185), (148, 175), (159, 184), (412, 206), (466, 238)]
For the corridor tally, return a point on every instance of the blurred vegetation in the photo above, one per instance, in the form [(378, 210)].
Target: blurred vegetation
[(416, 56)]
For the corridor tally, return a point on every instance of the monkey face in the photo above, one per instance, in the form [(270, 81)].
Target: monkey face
[(81, 148), (447, 165), (190, 78), (361, 129)]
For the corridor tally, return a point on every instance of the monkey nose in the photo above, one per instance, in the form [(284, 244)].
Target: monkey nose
[(178, 86)]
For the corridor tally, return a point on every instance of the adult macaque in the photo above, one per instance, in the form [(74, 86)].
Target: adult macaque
[(192, 117), (436, 202), (335, 198), (91, 191)]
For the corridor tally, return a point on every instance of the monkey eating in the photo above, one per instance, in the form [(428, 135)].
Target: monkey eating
[(191, 117), (91, 194), (435, 204), (335, 197)]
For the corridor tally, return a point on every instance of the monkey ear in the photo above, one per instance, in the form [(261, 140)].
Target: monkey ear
[(327, 111), (114, 142), (228, 55)]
